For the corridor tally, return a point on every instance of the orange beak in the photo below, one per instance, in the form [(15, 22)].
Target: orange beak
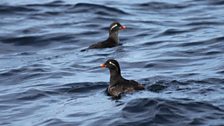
[(123, 27), (102, 65)]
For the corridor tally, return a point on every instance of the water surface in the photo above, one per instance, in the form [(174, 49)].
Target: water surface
[(175, 48)]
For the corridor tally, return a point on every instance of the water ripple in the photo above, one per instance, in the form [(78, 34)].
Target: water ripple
[(174, 48)]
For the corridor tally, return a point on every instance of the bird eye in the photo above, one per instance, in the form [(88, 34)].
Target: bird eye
[(112, 64), (113, 26)]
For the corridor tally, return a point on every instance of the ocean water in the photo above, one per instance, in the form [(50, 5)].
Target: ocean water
[(175, 48)]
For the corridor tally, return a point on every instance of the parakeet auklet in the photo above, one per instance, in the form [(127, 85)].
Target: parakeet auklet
[(112, 40), (118, 85)]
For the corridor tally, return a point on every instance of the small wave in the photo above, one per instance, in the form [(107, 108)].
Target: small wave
[(211, 41), (167, 63), (21, 70), (204, 23), (38, 40), (213, 52), (80, 87), (5, 9), (33, 94), (27, 53), (18, 75), (98, 9), (56, 3), (152, 43), (25, 40), (173, 32), (220, 71), (27, 95), (157, 87), (162, 6), (57, 122), (216, 2)]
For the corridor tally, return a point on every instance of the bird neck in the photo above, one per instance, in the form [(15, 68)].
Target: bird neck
[(114, 77), (114, 36)]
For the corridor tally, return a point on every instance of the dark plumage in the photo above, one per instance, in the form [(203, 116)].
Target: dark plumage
[(112, 40), (118, 84)]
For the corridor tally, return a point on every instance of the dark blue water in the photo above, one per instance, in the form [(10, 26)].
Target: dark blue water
[(175, 48)]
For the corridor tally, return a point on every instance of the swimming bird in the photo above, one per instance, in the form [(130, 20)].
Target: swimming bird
[(119, 85), (112, 40)]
